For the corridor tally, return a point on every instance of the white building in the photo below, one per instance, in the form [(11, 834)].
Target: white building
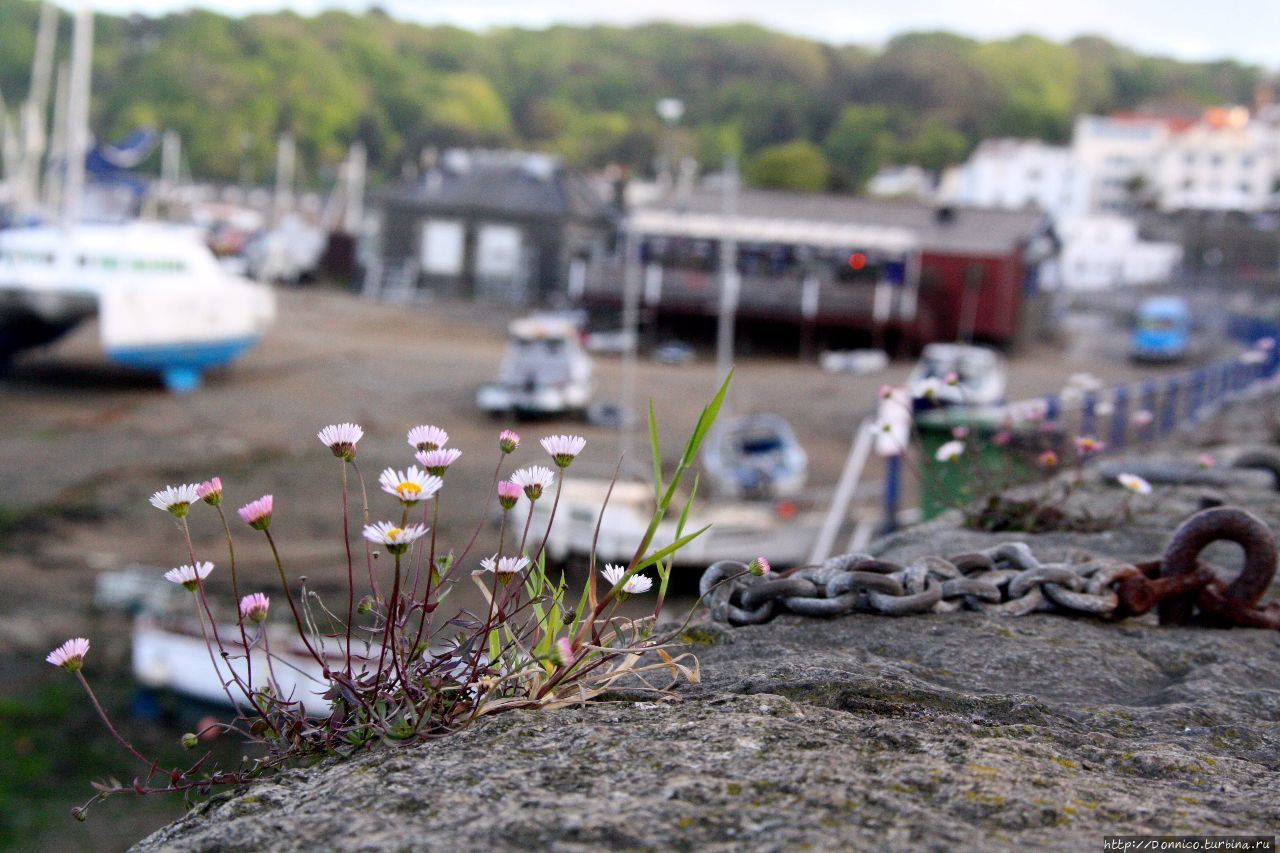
[(901, 182), (1118, 155), (1223, 162), (1104, 250), (1016, 173)]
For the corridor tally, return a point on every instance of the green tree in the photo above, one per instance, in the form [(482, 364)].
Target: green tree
[(796, 165), (859, 144)]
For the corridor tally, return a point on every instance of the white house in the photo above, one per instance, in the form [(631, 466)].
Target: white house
[(1017, 173), (1222, 162), (1104, 250)]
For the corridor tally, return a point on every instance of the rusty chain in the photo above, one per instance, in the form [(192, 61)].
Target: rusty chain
[(1009, 580)]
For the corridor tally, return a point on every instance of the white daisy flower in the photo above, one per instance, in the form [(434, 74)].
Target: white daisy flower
[(176, 499), (504, 565), (563, 448), (634, 584), (1135, 484), (396, 539), (427, 437), (533, 480), (341, 439), (189, 576), (69, 655), (949, 451), (410, 486), (438, 461)]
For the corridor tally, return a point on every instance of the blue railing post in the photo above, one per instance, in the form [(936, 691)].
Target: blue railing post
[(1120, 417), (1089, 414), (1149, 406), (1052, 408), (1195, 395), (892, 492), (1169, 411)]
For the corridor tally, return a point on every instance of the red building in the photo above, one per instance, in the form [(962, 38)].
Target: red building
[(835, 268)]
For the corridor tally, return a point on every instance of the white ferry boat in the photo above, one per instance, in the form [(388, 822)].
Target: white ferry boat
[(163, 300)]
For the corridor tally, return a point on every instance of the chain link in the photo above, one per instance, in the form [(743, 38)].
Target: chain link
[(1008, 579)]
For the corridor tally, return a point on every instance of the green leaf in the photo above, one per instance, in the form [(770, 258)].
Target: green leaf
[(670, 549), (656, 452)]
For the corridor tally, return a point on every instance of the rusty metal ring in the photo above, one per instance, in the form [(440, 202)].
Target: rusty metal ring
[(1198, 532)]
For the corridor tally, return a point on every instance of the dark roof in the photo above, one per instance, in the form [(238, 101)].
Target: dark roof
[(506, 183), (954, 229)]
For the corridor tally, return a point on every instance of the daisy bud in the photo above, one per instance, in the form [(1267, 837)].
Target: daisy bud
[(759, 567), (508, 441), (365, 606), (959, 432), (562, 652), (952, 378), (1206, 461), (190, 741), (508, 494)]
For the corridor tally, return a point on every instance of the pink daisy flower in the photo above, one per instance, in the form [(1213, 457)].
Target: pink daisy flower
[(210, 491), (563, 448), (341, 439), (176, 499), (508, 494), (759, 567), (257, 514), (533, 480), (189, 576), (1087, 446), (437, 461), (427, 437), (69, 655), (254, 607)]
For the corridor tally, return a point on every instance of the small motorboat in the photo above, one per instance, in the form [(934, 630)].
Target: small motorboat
[(545, 370), (979, 377), (755, 456)]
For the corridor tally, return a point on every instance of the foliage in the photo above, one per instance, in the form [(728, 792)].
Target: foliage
[(230, 85), (400, 668), (795, 165)]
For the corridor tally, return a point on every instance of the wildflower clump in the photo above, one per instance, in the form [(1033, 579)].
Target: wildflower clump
[(401, 666)]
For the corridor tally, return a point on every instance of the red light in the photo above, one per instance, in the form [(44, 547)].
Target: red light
[(857, 260)]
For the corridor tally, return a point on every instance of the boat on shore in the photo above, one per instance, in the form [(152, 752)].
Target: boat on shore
[(164, 301)]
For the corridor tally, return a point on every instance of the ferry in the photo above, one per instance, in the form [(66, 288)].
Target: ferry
[(163, 300)]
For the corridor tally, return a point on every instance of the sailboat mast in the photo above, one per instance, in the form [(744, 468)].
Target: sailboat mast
[(78, 115), (35, 112)]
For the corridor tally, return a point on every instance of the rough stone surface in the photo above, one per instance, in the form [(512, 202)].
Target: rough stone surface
[(963, 730)]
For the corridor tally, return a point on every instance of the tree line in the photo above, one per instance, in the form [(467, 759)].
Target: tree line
[(798, 113)]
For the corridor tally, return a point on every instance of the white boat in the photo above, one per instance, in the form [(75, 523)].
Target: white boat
[(164, 301), (980, 376), (172, 655), (755, 456), (545, 370), (739, 530)]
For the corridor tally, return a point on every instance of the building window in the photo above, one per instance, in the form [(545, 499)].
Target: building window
[(441, 249), (498, 251)]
